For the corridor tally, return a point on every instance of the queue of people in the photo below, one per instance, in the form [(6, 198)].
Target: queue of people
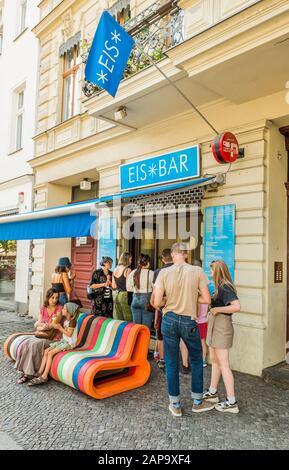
[(174, 298)]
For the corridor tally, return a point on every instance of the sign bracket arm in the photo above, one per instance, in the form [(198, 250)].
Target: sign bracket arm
[(175, 86)]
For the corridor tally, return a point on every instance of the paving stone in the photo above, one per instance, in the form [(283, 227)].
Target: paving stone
[(56, 416)]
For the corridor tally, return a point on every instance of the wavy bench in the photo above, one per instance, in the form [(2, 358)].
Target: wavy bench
[(110, 356)]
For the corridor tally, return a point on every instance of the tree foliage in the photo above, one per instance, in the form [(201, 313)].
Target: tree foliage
[(7, 246)]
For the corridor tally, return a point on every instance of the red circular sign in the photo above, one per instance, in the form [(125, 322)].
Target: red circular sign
[(225, 148)]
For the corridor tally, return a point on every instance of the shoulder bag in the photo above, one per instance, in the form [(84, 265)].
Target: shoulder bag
[(149, 307)]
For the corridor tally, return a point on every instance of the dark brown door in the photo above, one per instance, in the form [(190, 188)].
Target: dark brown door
[(83, 256)]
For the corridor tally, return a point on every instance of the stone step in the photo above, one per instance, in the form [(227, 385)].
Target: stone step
[(277, 375)]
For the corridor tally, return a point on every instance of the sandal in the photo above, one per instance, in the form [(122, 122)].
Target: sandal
[(22, 379), (37, 381)]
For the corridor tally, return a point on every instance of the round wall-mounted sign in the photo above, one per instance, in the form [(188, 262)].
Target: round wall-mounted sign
[(225, 148)]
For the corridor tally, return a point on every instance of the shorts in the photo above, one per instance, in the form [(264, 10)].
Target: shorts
[(203, 329), (62, 345), (159, 326), (220, 331)]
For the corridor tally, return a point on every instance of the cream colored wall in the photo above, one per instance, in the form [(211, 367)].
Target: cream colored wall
[(46, 252), (245, 188), (276, 226)]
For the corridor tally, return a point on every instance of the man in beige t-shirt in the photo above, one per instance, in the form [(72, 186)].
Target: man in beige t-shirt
[(182, 286)]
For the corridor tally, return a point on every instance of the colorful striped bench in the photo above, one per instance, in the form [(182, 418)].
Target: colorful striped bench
[(110, 356)]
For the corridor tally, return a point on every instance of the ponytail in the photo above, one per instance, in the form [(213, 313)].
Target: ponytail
[(142, 261)]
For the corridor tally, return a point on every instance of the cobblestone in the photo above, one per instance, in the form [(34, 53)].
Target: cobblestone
[(56, 416)]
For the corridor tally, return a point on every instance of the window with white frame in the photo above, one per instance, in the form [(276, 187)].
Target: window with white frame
[(22, 14), (17, 141), (71, 80)]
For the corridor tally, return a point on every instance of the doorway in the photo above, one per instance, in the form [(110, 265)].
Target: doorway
[(83, 257), (152, 238), (145, 241)]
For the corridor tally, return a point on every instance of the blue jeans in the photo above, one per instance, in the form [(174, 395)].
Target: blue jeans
[(174, 328), (139, 313), (63, 299)]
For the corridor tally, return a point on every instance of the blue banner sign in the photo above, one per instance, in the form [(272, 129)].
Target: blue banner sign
[(108, 54), (173, 166), (107, 235), (219, 238)]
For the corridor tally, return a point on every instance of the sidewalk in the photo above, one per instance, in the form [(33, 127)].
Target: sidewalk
[(56, 416)]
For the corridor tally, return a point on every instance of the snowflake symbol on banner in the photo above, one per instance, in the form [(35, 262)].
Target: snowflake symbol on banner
[(152, 170), (102, 76), (115, 36)]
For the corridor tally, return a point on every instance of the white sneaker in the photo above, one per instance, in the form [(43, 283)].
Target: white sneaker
[(226, 407), (176, 411), (211, 397)]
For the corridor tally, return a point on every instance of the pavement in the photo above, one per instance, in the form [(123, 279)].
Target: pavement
[(55, 416)]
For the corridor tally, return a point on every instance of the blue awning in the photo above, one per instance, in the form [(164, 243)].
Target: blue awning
[(73, 220)]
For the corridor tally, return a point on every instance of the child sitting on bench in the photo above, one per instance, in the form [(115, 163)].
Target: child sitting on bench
[(70, 312)]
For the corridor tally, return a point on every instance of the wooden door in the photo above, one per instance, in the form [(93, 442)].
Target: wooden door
[(83, 257)]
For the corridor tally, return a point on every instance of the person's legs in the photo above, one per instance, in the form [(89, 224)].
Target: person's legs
[(136, 311), (161, 350), (50, 356), (43, 362), (204, 349), (107, 308), (185, 357), (118, 307), (147, 318), (230, 405), (160, 339), (184, 353), (191, 336), (126, 310), (227, 375), (216, 371), (171, 345)]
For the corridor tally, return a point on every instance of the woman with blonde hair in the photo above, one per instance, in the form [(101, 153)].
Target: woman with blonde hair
[(119, 278), (220, 336)]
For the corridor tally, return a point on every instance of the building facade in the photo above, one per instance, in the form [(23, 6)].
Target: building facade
[(217, 53), (18, 62)]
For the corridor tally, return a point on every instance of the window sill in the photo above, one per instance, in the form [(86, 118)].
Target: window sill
[(15, 151), (20, 34)]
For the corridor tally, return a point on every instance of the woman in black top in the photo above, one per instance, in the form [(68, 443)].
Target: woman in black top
[(100, 284), (220, 335), (120, 275)]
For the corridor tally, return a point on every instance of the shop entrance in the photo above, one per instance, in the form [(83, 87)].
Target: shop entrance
[(145, 242), (153, 237)]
